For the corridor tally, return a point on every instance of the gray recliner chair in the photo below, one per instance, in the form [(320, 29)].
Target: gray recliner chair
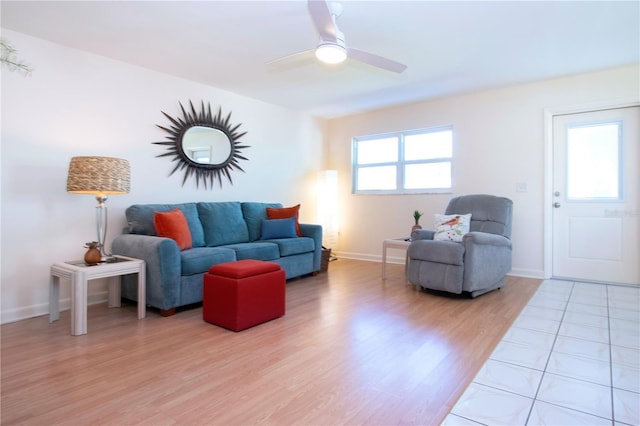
[(476, 265)]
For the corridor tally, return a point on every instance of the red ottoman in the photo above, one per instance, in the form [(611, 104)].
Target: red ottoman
[(239, 295)]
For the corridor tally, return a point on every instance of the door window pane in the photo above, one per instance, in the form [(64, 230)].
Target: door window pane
[(593, 162)]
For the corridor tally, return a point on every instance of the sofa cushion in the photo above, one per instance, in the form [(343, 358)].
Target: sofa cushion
[(291, 246), (283, 213), (199, 259), (254, 213), (255, 250), (140, 219), (223, 223), (278, 228), (173, 224)]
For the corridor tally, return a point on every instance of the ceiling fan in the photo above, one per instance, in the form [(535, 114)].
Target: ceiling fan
[(332, 48)]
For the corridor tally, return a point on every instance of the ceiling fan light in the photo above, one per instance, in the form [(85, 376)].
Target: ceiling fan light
[(331, 53)]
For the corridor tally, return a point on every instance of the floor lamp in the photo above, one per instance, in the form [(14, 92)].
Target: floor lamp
[(328, 206), (101, 177)]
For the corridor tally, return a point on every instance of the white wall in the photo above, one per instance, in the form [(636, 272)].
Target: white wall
[(76, 103), (498, 142)]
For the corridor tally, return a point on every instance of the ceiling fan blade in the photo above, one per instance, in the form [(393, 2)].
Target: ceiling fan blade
[(322, 19), (294, 60), (375, 60)]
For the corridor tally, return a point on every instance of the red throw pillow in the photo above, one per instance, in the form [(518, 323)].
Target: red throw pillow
[(173, 225), (285, 213)]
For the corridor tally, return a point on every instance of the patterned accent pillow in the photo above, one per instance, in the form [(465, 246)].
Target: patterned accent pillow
[(451, 227)]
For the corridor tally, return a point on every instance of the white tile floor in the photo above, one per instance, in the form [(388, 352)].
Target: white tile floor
[(572, 357)]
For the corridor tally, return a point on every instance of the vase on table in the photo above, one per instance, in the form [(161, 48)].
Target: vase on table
[(416, 216), (93, 255)]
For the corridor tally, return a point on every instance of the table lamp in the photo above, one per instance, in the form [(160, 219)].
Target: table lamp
[(99, 176)]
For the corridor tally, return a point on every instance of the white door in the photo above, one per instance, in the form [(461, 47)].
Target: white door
[(596, 187)]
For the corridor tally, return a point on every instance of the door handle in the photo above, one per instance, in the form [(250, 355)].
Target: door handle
[(556, 205)]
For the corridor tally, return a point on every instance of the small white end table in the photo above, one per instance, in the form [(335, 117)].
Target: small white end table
[(398, 243), (80, 273)]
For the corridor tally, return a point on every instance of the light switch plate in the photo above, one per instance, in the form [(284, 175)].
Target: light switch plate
[(521, 187)]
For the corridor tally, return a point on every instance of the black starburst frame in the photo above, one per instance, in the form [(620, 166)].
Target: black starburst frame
[(207, 173)]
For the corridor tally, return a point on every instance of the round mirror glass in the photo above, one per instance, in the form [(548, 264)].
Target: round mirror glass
[(206, 145)]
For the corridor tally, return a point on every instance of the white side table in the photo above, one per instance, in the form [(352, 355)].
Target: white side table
[(80, 273), (398, 243)]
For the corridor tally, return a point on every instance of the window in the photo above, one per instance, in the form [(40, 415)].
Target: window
[(403, 163)]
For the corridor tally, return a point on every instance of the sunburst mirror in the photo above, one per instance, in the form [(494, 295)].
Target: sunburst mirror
[(205, 146)]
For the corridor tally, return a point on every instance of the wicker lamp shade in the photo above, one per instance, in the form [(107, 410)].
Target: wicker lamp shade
[(98, 175)]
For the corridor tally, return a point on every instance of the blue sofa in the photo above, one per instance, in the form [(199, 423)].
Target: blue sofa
[(221, 232)]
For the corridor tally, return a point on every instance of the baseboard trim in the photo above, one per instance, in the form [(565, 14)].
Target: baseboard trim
[(37, 310), (364, 256), (527, 273)]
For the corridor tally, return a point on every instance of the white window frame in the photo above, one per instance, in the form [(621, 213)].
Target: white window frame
[(400, 163)]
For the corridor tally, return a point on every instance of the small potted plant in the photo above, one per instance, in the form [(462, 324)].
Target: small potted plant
[(417, 215), (93, 255)]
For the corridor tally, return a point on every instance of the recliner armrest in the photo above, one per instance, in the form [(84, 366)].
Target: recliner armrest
[(422, 234), (486, 239), (487, 260)]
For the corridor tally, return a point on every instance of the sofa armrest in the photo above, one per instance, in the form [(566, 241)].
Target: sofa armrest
[(422, 234), (163, 269), (315, 232)]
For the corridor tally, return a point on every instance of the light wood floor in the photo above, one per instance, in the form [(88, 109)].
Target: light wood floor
[(351, 349)]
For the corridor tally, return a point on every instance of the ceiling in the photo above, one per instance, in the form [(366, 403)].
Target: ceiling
[(450, 47)]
